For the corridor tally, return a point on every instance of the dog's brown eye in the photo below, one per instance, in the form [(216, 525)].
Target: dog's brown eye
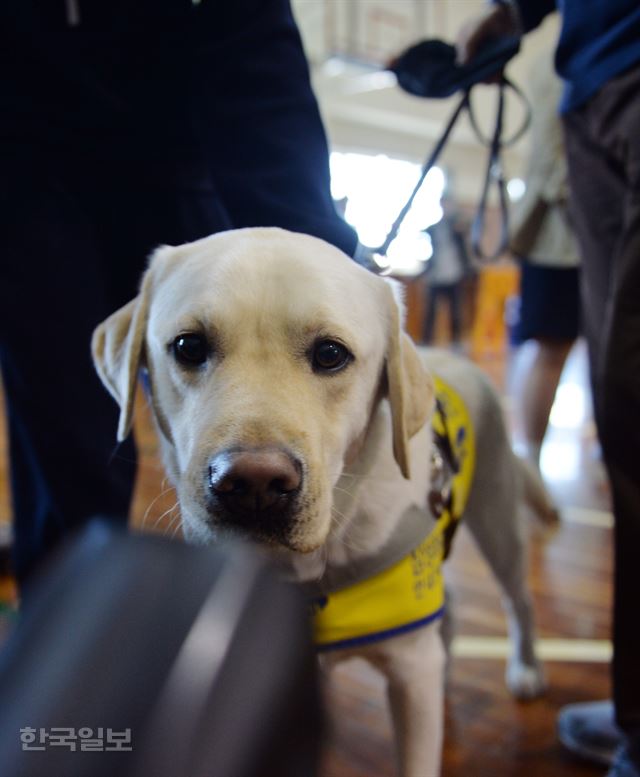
[(191, 349), (329, 356)]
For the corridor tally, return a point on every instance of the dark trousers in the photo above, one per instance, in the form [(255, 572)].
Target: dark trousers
[(148, 123), (451, 293), (603, 144)]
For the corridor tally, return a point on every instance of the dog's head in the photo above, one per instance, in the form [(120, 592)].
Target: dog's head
[(267, 353)]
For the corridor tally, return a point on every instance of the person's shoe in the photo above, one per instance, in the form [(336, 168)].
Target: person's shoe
[(589, 731), (623, 766)]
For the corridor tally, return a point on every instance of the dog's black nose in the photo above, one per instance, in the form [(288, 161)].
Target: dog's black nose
[(255, 481)]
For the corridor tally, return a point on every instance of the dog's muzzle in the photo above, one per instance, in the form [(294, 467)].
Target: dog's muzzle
[(254, 489)]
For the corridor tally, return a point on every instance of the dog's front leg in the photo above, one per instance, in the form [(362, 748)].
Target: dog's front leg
[(414, 665)]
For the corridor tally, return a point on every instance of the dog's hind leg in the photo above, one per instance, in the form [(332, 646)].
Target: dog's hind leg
[(499, 536)]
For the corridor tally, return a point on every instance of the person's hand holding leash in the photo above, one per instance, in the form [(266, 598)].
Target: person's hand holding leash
[(496, 21)]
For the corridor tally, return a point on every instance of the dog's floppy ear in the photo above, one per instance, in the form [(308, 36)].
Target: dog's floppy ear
[(116, 346), (409, 386)]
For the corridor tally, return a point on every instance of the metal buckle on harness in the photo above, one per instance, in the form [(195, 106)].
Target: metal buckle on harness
[(444, 466), (439, 498)]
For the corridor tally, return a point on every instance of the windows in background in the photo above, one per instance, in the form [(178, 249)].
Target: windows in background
[(376, 188)]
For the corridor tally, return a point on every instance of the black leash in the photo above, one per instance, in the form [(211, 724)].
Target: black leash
[(431, 160), (494, 174)]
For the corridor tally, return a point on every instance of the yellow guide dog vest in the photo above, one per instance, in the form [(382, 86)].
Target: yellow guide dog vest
[(410, 593)]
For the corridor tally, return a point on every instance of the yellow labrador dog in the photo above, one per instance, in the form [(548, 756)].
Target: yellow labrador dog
[(292, 408)]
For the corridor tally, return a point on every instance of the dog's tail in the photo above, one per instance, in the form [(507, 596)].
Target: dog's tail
[(536, 495)]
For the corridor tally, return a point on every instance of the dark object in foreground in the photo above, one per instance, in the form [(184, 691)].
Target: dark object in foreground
[(140, 656)]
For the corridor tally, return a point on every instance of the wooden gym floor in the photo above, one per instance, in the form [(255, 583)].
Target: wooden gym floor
[(488, 734)]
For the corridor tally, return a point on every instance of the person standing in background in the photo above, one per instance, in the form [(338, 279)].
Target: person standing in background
[(598, 56), (446, 270), (126, 125)]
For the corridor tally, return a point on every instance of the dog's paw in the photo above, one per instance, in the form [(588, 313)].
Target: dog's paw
[(524, 681)]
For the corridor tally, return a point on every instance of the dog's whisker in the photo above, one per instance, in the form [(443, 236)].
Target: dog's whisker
[(374, 478), (337, 514), (174, 523), (343, 491), (177, 528), (166, 513), (339, 521), (347, 539), (154, 501), (367, 478), (351, 545), (337, 526), (175, 518)]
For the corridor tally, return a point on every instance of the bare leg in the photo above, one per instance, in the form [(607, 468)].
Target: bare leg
[(536, 389)]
